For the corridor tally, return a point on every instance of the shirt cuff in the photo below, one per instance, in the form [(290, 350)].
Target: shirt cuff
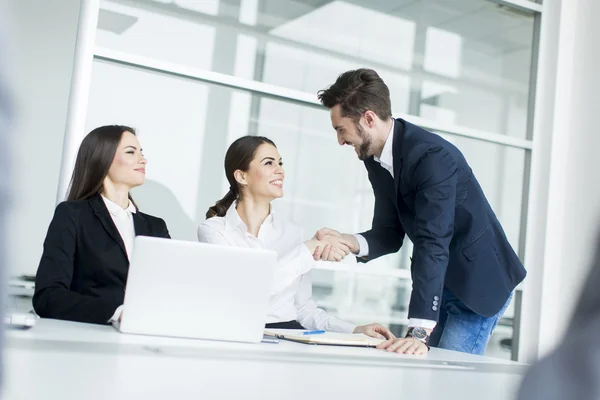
[(363, 245), (116, 315), (421, 323), (308, 262)]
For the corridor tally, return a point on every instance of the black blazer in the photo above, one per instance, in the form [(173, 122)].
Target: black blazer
[(83, 270), (459, 243)]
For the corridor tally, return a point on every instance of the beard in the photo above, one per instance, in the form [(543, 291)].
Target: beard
[(364, 149)]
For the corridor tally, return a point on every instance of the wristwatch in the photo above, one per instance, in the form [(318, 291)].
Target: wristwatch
[(419, 334)]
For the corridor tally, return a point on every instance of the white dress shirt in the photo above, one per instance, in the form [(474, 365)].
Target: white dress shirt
[(387, 162), (291, 294), (123, 220)]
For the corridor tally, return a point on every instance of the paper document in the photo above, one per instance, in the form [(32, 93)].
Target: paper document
[(327, 338)]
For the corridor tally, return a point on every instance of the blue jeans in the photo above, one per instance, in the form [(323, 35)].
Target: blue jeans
[(461, 329)]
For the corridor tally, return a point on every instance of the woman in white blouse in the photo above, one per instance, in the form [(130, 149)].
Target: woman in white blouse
[(245, 218)]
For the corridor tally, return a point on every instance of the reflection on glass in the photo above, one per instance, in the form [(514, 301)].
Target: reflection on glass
[(463, 62)]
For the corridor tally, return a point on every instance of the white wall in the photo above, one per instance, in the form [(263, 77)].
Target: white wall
[(559, 254), (42, 40)]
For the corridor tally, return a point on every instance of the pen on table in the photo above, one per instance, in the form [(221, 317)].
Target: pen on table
[(313, 332)]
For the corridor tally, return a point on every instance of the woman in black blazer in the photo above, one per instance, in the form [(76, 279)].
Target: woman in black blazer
[(83, 269)]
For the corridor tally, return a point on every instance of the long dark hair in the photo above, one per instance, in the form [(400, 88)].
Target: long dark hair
[(239, 156), (94, 159)]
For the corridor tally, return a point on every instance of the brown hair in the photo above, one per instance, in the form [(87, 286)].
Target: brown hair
[(239, 156), (357, 91), (94, 158)]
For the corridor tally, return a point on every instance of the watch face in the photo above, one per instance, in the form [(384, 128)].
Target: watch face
[(419, 333)]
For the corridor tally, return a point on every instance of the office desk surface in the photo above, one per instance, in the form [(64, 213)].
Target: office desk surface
[(64, 360)]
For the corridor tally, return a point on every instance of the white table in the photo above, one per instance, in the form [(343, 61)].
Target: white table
[(66, 360)]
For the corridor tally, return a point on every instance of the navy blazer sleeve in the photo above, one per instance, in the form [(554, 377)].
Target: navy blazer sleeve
[(52, 298), (386, 234), (434, 180)]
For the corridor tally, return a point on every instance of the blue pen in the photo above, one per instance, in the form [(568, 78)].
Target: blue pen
[(313, 332)]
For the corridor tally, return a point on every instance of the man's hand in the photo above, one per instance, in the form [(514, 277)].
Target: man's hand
[(342, 241), (376, 331), (334, 248), (326, 232), (404, 346)]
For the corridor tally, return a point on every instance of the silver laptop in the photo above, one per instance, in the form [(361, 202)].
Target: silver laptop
[(197, 290)]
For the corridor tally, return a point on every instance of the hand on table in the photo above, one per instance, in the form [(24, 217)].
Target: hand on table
[(375, 330), (404, 346)]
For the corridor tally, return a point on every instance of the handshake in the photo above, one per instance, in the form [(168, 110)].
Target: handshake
[(330, 245)]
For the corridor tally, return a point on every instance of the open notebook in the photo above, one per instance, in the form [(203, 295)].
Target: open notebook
[(327, 338)]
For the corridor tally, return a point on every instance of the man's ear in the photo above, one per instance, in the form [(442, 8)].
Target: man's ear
[(370, 117)]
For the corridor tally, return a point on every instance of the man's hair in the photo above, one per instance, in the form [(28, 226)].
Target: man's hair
[(358, 91)]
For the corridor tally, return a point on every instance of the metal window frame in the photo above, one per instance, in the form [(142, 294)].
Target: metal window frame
[(285, 94), (518, 298), (522, 5), (86, 52), (79, 94), (175, 11)]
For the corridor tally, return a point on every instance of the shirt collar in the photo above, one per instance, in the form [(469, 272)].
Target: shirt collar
[(233, 219), (115, 209), (387, 156)]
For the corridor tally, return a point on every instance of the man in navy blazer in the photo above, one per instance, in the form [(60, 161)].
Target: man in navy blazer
[(463, 268)]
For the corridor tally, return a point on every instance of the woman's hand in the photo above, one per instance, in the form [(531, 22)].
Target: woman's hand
[(375, 330), (331, 247), (330, 250), (347, 239), (341, 241), (312, 244)]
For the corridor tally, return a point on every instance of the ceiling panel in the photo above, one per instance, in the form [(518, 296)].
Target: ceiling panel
[(437, 12), (386, 6), (482, 22)]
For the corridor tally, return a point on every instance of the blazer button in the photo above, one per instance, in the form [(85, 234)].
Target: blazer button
[(436, 298), (435, 303), (434, 308)]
